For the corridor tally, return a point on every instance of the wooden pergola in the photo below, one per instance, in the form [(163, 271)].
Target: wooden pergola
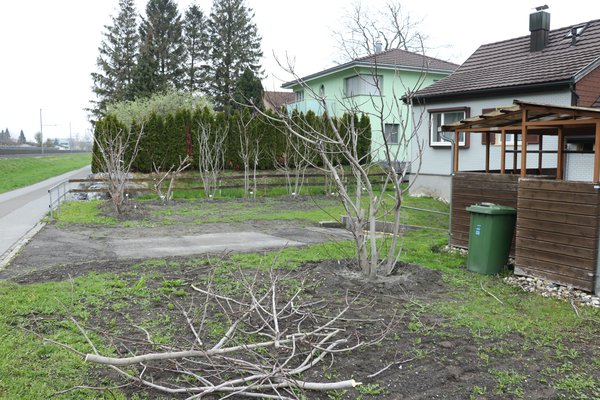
[(528, 118)]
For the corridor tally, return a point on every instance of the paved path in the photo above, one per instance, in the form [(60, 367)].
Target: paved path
[(22, 209)]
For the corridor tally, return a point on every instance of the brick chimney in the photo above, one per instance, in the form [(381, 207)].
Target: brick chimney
[(539, 25)]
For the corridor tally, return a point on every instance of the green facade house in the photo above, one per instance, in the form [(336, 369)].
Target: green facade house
[(372, 85)]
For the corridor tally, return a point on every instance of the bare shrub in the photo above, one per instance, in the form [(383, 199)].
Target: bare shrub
[(172, 173), (211, 154), (118, 150)]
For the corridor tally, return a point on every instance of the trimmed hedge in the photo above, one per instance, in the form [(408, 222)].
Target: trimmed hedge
[(168, 138)]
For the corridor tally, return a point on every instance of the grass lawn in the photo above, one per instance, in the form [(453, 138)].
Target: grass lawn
[(25, 171), (525, 347), (315, 209)]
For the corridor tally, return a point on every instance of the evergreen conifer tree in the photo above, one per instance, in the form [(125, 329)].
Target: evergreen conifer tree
[(235, 48), (162, 33), (195, 39), (22, 139), (249, 90), (146, 80), (5, 137), (117, 58)]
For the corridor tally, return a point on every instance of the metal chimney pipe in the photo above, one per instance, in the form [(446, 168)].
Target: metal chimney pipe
[(539, 26)]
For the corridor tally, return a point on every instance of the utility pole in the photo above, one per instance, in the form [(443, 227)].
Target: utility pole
[(41, 132)]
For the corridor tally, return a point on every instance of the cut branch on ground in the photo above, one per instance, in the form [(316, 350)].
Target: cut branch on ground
[(270, 340)]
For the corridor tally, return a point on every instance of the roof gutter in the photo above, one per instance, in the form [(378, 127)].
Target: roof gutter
[(498, 90), (586, 70)]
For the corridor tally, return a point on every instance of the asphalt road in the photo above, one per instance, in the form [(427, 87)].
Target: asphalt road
[(22, 209)]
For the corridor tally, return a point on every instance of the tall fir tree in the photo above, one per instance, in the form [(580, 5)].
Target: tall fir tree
[(21, 139), (249, 90), (235, 48), (5, 137), (117, 59), (196, 46), (146, 80), (162, 34)]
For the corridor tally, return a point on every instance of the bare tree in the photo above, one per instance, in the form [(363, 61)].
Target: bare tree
[(250, 150), (118, 151), (211, 154), (172, 173), (363, 29), (294, 162), (337, 142), (273, 338)]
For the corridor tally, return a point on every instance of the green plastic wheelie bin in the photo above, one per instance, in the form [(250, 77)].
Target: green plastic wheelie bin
[(490, 237)]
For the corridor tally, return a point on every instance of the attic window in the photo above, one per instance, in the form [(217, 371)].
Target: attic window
[(575, 32)]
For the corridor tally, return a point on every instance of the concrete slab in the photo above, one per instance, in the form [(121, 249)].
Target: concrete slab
[(198, 244)]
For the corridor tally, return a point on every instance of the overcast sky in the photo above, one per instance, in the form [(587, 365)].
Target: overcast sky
[(48, 48)]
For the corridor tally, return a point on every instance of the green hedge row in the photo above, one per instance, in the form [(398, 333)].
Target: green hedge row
[(167, 138)]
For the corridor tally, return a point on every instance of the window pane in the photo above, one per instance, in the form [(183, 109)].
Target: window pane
[(437, 127), (391, 133), (445, 118), (364, 85), (453, 116)]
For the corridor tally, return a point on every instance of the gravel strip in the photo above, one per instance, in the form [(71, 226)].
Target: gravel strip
[(550, 289)]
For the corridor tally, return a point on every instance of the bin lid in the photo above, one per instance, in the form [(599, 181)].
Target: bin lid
[(491, 208)]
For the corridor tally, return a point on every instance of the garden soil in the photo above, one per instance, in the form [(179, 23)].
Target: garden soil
[(423, 356)]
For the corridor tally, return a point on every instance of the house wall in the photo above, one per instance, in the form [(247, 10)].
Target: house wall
[(433, 178), (588, 89), (395, 85)]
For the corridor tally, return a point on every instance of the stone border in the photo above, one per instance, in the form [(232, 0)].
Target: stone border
[(550, 289)]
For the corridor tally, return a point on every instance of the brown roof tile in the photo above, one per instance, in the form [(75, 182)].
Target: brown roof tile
[(276, 100), (510, 63), (393, 58), (399, 57)]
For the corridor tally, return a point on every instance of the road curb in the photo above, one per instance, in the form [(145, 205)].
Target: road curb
[(8, 255)]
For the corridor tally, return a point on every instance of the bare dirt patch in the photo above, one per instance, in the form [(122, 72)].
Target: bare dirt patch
[(424, 356)]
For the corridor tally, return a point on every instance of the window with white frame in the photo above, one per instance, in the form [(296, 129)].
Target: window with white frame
[(363, 85), (299, 95), (391, 133), (510, 139), (439, 118)]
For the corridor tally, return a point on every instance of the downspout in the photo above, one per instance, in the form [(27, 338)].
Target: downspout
[(574, 95), (452, 144)]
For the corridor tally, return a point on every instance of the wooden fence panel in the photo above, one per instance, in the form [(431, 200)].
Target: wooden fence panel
[(557, 231), (470, 188)]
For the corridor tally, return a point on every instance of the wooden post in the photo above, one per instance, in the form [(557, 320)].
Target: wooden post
[(515, 140), (597, 154), (541, 142), (456, 144), (524, 143), (503, 153), (561, 154), (487, 152)]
